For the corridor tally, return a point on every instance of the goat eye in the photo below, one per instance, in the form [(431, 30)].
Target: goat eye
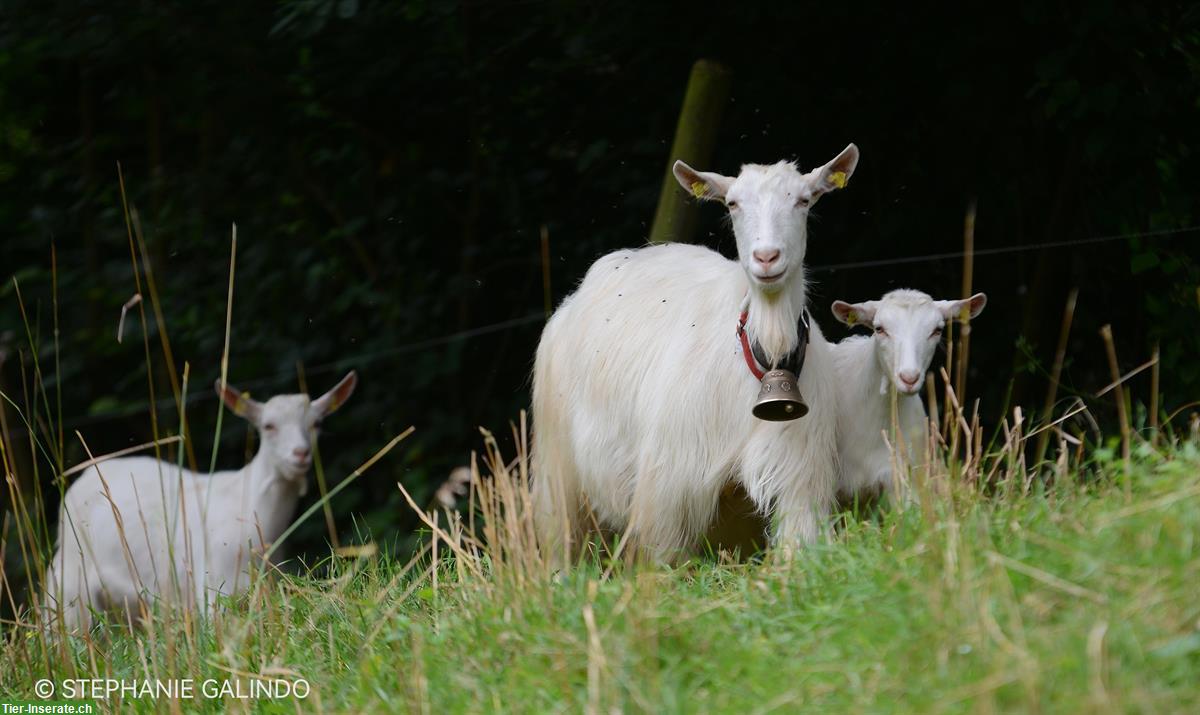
[(879, 330), (270, 427), (936, 332), (802, 202), (731, 205)]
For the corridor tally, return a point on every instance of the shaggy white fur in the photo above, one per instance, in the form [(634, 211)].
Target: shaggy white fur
[(135, 529), (641, 396)]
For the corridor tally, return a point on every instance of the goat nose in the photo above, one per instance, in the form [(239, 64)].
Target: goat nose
[(301, 452), (766, 257), (909, 377)]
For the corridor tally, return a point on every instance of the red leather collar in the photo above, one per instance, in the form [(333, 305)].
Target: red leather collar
[(747, 352), (753, 354)]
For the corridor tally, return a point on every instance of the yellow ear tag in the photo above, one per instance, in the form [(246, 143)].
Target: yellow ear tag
[(851, 318), (838, 179), (699, 188), (240, 408)]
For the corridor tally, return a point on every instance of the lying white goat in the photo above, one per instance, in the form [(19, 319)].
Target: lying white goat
[(135, 529), (907, 327), (642, 392)]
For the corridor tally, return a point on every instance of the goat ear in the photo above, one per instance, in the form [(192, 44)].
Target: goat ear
[(704, 185), (335, 398), (835, 174), (854, 313), (238, 402), (965, 309)]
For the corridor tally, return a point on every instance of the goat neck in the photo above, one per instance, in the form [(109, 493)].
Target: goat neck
[(271, 494), (772, 316)]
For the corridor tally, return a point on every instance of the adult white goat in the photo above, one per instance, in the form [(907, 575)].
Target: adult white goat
[(907, 326), (136, 529), (642, 392)]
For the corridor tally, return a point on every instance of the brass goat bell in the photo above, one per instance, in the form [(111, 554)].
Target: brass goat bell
[(779, 398)]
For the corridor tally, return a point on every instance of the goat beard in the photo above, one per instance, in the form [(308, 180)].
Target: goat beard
[(298, 477)]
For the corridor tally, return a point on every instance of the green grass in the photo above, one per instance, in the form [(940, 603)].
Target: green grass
[(1075, 598)]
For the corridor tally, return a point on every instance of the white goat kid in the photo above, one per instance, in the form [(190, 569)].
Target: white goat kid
[(907, 327), (136, 529), (641, 392)]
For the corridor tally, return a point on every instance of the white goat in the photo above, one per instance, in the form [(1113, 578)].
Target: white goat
[(642, 394), (134, 529), (907, 326)]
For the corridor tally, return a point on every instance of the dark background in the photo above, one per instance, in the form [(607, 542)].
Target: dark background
[(389, 166)]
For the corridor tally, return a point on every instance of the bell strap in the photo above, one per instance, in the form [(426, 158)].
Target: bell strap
[(754, 355), (747, 352)]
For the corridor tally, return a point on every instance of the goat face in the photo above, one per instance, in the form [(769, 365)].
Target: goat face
[(768, 207), (908, 326), (288, 424)]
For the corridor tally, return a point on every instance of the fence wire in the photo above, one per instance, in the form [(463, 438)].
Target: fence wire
[(405, 348)]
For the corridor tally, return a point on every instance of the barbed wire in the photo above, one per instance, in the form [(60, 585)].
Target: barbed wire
[(363, 358)]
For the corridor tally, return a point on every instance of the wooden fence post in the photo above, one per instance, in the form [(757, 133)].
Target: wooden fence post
[(695, 137)]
